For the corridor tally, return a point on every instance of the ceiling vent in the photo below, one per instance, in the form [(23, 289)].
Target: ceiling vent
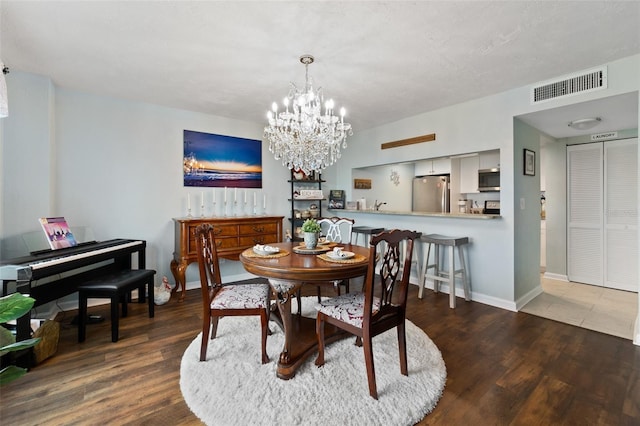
[(583, 82)]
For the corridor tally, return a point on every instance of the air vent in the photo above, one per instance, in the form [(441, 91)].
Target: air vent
[(582, 82)]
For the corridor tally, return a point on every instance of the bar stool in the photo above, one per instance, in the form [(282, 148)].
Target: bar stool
[(356, 231), (447, 276)]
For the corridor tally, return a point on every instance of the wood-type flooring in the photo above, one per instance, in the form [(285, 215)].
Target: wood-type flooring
[(503, 368)]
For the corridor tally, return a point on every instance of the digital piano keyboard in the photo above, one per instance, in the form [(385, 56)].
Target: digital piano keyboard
[(51, 274)]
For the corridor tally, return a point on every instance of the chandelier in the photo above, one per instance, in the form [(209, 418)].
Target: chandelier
[(302, 136)]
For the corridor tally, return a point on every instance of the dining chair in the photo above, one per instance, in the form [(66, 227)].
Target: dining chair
[(220, 300), (380, 306), (337, 230), (333, 229)]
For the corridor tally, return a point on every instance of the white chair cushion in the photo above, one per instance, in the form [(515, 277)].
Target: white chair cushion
[(347, 308), (241, 296)]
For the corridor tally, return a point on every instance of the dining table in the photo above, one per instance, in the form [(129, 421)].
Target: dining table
[(287, 270)]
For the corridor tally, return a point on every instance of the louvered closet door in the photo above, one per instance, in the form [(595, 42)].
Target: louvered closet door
[(621, 214), (585, 213)]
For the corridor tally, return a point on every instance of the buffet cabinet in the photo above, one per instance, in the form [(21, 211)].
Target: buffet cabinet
[(232, 234)]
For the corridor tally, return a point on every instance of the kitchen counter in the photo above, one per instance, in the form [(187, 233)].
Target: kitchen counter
[(423, 214)]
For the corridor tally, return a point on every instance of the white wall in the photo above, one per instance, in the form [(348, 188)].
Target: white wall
[(115, 165), (480, 125), (28, 154)]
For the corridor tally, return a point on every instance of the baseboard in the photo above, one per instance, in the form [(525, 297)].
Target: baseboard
[(636, 332), (191, 285), (476, 297), (50, 310), (529, 297), (557, 277)]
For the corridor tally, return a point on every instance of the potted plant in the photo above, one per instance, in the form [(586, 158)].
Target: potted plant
[(13, 307), (311, 230)]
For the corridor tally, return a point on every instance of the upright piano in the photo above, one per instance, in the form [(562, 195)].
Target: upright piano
[(48, 275)]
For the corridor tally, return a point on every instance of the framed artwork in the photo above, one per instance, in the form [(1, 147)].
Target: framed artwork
[(529, 162), (211, 160), (362, 183)]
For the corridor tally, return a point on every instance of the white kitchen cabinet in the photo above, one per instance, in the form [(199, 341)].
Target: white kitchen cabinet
[(469, 174), (489, 160), (437, 166)]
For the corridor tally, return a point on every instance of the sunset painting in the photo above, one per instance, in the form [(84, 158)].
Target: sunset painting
[(221, 161)]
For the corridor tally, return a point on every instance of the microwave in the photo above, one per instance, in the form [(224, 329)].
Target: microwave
[(489, 180)]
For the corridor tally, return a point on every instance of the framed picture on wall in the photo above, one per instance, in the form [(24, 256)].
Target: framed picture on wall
[(529, 162), (362, 183), (211, 160)]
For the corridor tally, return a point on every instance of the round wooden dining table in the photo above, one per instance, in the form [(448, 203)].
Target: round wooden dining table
[(287, 271)]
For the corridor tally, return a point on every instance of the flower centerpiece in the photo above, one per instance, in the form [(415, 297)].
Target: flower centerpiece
[(311, 230)]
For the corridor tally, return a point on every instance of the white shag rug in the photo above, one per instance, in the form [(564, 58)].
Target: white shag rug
[(232, 387)]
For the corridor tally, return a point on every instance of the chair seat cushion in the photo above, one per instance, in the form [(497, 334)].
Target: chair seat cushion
[(241, 296), (347, 308)]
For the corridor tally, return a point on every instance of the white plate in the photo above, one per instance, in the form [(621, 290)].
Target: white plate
[(345, 255), (265, 250)]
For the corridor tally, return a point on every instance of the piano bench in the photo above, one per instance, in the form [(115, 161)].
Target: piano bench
[(117, 287)]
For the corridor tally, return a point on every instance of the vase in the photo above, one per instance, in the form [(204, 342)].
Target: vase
[(310, 240)]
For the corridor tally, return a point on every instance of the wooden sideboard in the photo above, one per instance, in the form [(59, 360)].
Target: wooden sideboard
[(233, 235)]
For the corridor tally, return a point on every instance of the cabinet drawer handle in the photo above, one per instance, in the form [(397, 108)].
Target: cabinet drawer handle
[(258, 228), (257, 240), (217, 231)]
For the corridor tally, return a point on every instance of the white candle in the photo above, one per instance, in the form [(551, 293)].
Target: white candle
[(235, 194), (264, 202), (188, 201), (202, 195), (213, 191), (225, 194), (245, 196), (254, 199)]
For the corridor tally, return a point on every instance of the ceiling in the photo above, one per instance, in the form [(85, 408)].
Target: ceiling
[(383, 61)]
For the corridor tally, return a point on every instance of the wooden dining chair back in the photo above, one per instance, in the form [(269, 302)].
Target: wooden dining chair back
[(380, 306), (336, 229), (226, 300)]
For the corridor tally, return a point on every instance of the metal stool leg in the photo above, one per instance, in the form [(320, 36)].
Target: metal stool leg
[(436, 271), (422, 269), (465, 274), (452, 278), (425, 270)]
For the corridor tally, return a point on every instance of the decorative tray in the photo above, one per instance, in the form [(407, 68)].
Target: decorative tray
[(301, 249)]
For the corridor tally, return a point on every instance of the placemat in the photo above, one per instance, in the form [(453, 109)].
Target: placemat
[(250, 253), (357, 258)]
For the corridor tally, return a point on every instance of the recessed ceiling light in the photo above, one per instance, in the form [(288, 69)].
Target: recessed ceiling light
[(585, 123)]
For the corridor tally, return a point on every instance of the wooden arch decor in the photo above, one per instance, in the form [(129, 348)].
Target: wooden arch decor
[(418, 139)]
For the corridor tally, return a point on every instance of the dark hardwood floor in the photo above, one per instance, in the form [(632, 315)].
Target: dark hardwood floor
[(503, 368)]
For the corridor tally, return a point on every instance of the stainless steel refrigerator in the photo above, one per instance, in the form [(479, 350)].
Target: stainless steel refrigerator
[(431, 194)]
